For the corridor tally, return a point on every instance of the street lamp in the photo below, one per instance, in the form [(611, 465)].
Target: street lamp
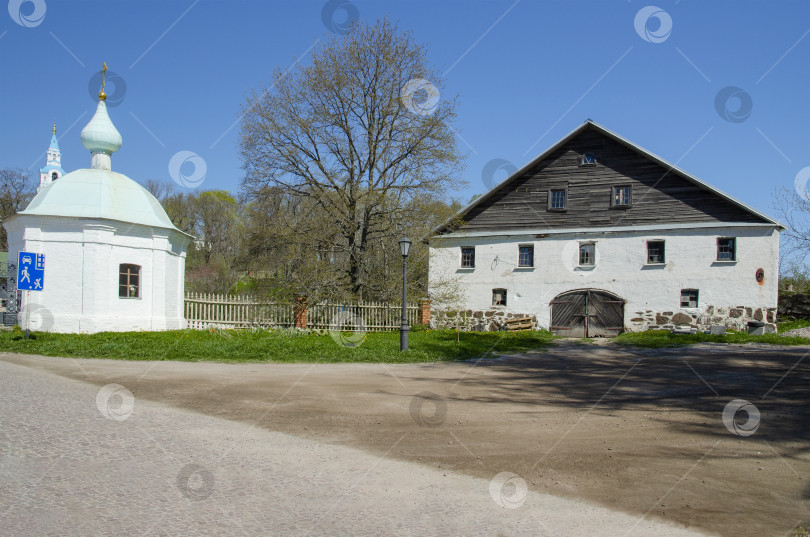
[(404, 247)]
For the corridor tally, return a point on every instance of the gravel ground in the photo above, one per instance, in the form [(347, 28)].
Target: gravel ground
[(801, 332), (79, 460)]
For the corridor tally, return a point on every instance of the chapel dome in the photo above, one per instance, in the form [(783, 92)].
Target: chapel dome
[(100, 135), (97, 193)]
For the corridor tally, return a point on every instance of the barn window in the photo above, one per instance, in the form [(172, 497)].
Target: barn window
[(468, 256), (727, 249), (655, 252), (526, 256), (587, 254), (129, 281), (622, 196), (689, 298), (499, 297), (557, 199), (587, 160)]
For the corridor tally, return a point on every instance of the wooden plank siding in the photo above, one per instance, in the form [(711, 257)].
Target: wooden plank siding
[(659, 195)]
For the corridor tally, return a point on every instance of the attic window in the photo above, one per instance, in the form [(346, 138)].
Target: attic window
[(587, 160), (621, 196), (557, 199)]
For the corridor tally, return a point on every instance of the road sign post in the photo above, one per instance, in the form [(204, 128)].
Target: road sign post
[(30, 277)]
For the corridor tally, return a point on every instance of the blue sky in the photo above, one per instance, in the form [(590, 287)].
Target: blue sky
[(526, 73)]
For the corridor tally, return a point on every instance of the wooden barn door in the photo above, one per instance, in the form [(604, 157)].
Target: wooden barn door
[(569, 314), (606, 314), (587, 313)]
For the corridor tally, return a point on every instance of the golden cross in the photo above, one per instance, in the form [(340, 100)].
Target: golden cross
[(103, 75)]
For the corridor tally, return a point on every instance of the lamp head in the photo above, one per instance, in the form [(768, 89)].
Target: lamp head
[(405, 246)]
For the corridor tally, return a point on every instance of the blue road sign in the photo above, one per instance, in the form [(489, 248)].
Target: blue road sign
[(30, 271)]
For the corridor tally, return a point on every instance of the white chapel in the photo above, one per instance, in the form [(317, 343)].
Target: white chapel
[(113, 259)]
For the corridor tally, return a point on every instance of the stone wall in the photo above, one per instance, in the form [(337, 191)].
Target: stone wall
[(482, 321), (794, 305), (734, 318)]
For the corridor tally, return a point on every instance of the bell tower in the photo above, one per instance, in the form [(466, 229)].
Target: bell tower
[(53, 163)]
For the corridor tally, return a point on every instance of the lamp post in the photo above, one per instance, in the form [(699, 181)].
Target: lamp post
[(404, 247)]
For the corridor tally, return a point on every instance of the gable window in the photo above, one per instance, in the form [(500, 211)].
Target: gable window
[(468, 257), (655, 253), (499, 297), (621, 196), (587, 254), (587, 160), (689, 298), (129, 281), (557, 199), (727, 249), (526, 256)]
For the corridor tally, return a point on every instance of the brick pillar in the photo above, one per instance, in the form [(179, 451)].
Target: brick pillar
[(424, 312), (300, 312)]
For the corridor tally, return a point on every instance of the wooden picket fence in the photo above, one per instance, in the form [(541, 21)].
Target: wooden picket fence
[(209, 310)]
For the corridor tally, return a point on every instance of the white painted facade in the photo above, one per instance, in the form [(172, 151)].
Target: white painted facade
[(617, 197), (92, 225), (82, 259), (620, 268)]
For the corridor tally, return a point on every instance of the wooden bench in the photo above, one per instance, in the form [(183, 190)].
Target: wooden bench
[(520, 323)]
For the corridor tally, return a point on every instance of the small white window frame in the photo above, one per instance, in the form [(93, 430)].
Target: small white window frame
[(614, 190)]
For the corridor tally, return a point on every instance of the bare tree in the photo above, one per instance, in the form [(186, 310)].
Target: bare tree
[(160, 189), (361, 132), (793, 209), (16, 191)]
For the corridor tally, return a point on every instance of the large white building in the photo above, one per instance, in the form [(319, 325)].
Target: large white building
[(113, 259), (597, 236)]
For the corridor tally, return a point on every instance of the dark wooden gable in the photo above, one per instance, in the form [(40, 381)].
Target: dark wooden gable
[(660, 195)]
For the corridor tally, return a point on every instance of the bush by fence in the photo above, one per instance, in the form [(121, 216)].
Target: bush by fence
[(207, 310)]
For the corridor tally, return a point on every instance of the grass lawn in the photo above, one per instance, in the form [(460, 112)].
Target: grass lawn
[(664, 338), (273, 345)]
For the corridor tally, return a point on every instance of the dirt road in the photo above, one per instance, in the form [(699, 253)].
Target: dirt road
[(634, 430)]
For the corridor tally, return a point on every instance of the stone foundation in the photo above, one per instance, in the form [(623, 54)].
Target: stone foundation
[(481, 321), (733, 318)]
